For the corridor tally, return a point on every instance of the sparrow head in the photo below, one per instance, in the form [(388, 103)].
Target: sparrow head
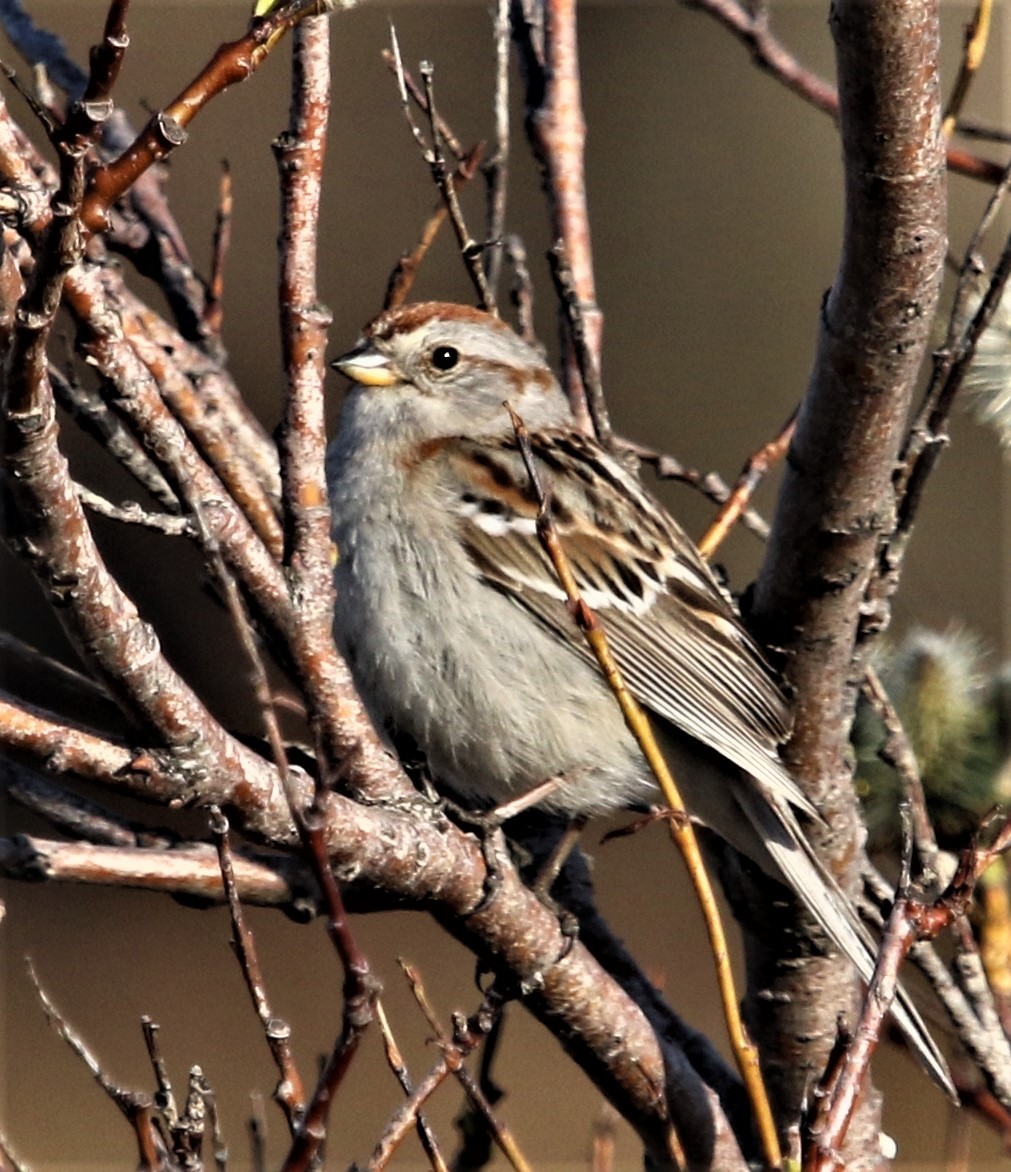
[(450, 370)]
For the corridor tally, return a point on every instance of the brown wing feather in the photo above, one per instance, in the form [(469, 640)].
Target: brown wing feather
[(671, 627)]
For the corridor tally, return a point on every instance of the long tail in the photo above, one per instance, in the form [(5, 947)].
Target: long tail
[(804, 873)]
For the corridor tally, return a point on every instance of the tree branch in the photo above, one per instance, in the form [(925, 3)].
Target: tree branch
[(837, 499)]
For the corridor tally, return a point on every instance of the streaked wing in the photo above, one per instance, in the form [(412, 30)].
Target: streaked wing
[(671, 627)]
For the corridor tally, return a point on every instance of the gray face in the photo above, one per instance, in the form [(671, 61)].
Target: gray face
[(449, 370)]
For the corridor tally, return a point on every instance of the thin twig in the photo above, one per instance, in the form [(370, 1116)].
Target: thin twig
[(434, 156), (361, 990), (751, 27), (95, 418), (360, 987), (214, 310), (217, 1131), (911, 920), (134, 1105), (190, 872), (396, 1063), (712, 486), (499, 1132), (289, 1092), (898, 752), (496, 169), (464, 1041), (445, 181), (757, 465), (166, 1096), (217, 387), (232, 63), (404, 272), (971, 128), (586, 350), (521, 287), (210, 432), (977, 33), (553, 117), (827, 1133), (131, 513), (408, 87), (55, 676), (257, 1134), (679, 823), (927, 437), (71, 813)]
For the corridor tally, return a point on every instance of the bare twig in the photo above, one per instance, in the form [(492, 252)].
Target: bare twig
[(408, 87), (461, 1036), (216, 386), (750, 25), (232, 63), (587, 351), (166, 1096), (217, 1132), (971, 128), (130, 513), (71, 813), (445, 181), (402, 278), (927, 436), (712, 486), (521, 287), (210, 432), (898, 752), (361, 990), (59, 682), (214, 310), (465, 1040), (679, 823), (191, 872), (433, 154), (496, 169), (95, 418), (827, 1133), (977, 33), (912, 919), (396, 1063), (757, 465), (257, 1134), (554, 123), (134, 1105), (288, 1092)]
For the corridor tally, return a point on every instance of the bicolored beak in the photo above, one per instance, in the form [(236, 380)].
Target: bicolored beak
[(364, 364)]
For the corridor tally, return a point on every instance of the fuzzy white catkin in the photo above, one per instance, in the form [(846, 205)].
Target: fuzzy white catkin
[(986, 389)]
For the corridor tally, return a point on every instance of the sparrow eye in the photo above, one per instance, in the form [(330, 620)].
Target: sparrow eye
[(445, 357)]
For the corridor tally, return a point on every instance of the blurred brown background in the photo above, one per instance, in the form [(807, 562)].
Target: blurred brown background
[(716, 211)]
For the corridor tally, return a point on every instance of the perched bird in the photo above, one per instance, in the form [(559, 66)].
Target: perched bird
[(457, 633)]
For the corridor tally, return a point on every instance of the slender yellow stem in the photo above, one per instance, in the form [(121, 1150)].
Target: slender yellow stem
[(681, 829), (977, 34)]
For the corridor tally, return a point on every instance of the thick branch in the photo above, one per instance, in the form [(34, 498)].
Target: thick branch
[(837, 497), (426, 862)]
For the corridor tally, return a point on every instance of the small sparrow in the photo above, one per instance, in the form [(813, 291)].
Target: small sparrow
[(457, 631)]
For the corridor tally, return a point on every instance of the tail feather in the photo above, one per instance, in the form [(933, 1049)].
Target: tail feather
[(794, 862)]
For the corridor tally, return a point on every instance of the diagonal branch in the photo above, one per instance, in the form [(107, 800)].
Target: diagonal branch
[(750, 24)]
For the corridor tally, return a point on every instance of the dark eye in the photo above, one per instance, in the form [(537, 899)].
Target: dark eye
[(445, 357)]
